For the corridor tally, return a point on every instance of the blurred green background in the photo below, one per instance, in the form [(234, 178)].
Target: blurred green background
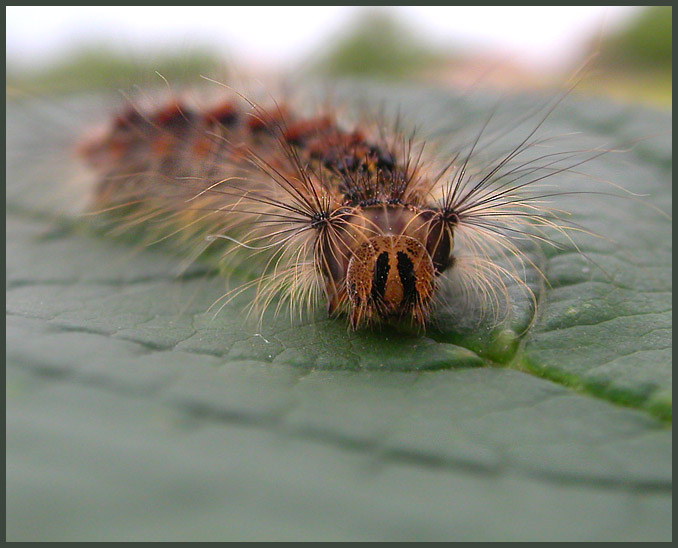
[(633, 61)]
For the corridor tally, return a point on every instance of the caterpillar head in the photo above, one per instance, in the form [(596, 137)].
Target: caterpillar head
[(390, 277)]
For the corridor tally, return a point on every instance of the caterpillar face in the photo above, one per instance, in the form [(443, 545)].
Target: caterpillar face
[(381, 261), (390, 276)]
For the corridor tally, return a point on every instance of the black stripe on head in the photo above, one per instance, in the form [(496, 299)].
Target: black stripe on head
[(407, 278), (381, 269)]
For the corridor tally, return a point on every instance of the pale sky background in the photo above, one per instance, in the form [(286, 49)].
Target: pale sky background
[(277, 36)]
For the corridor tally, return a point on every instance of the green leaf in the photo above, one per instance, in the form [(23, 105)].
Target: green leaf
[(135, 414)]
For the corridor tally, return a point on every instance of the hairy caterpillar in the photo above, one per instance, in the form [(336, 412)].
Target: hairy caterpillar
[(362, 218)]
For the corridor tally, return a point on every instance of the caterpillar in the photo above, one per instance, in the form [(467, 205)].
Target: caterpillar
[(362, 218)]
